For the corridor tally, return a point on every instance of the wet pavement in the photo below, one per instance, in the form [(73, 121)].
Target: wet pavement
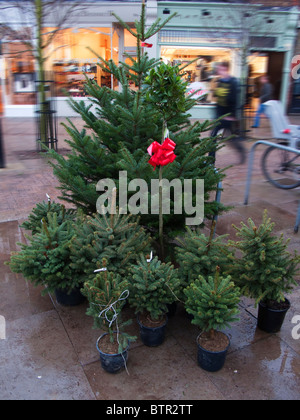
[(49, 350)]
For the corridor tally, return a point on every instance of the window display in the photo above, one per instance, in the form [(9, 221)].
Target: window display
[(19, 74), (73, 57), (69, 77), (201, 73)]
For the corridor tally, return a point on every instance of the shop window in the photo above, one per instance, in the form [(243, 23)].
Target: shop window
[(19, 74), (201, 74), (71, 58)]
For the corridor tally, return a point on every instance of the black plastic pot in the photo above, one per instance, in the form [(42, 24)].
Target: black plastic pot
[(271, 320), (152, 336), (211, 361), (172, 308), (112, 363), (72, 298)]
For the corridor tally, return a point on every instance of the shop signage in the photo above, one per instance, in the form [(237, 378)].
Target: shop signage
[(99, 14), (199, 38)]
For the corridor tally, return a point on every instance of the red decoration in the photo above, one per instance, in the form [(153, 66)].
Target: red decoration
[(145, 44), (286, 131), (161, 154)]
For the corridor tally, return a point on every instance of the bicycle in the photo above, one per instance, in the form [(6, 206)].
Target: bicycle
[(281, 167)]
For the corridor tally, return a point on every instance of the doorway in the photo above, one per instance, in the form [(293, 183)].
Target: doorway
[(274, 70)]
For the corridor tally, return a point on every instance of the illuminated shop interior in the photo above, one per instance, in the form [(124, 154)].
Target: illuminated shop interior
[(72, 56), (202, 74)]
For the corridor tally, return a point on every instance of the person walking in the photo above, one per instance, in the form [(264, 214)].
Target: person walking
[(266, 91), (226, 94)]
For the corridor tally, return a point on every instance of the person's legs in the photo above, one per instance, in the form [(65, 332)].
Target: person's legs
[(238, 145), (236, 142), (221, 124), (259, 111)]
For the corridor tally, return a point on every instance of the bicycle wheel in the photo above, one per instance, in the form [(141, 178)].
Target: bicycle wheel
[(281, 168)]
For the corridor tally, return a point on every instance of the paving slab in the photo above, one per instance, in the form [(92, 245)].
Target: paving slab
[(158, 373), (50, 350), (38, 361), (267, 370)]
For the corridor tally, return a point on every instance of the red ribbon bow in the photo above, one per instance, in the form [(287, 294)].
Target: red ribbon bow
[(145, 44), (161, 154)]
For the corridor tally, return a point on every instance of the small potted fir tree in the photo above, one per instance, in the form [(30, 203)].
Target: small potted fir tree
[(266, 271), (199, 254), (107, 293), (45, 260), (117, 237), (213, 302), (152, 286), (40, 211)]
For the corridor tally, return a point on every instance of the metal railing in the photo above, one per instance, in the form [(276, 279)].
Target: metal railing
[(250, 169)]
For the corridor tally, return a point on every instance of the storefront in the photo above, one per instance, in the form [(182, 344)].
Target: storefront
[(72, 56), (252, 39), (204, 32)]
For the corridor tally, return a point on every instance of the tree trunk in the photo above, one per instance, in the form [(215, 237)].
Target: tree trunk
[(42, 103), (161, 218)]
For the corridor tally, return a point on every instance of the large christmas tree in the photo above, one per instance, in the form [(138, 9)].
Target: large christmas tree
[(116, 136)]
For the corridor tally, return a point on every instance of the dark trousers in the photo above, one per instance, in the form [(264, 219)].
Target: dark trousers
[(235, 141)]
